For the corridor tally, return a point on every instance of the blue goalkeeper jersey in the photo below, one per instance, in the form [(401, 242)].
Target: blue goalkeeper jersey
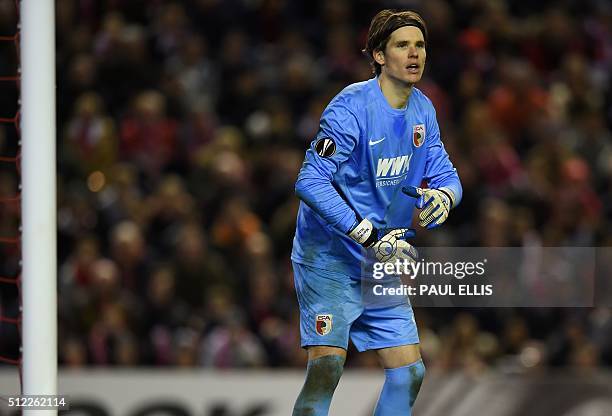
[(365, 151)]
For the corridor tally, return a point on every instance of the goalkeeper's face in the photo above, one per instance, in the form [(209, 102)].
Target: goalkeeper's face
[(404, 56)]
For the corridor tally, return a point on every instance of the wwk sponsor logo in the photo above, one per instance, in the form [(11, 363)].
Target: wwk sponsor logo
[(392, 170)]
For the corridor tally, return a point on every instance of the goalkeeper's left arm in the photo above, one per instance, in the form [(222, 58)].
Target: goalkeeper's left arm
[(444, 190)]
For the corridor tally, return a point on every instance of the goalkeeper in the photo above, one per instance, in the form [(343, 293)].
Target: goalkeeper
[(377, 143)]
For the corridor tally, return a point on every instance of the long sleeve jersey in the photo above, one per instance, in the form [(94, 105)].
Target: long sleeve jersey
[(363, 154)]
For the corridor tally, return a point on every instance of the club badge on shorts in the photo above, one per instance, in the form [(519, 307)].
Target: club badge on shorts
[(323, 324), (418, 134)]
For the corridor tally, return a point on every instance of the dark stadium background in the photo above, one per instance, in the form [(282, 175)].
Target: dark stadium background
[(182, 126)]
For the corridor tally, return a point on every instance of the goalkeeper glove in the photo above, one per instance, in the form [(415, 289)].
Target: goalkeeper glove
[(390, 247), (434, 204)]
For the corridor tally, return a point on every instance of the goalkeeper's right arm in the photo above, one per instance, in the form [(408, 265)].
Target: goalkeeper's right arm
[(322, 197), (337, 138)]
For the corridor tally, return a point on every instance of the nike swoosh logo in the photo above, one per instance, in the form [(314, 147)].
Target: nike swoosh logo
[(373, 142)]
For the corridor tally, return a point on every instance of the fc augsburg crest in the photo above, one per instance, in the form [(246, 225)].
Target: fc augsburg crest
[(323, 324), (418, 134)]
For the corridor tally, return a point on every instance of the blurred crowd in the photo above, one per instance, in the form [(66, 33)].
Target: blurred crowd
[(182, 126)]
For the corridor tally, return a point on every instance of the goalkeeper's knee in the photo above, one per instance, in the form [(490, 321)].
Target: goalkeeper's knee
[(322, 376), (400, 390)]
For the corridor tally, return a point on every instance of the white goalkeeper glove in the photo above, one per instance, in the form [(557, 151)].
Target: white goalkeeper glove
[(390, 247), (435, 204)]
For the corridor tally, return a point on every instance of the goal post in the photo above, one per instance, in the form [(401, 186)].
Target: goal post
[(39, 268)]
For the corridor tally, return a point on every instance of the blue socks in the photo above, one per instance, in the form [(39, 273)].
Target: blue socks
[(399, 392), (322, 376)]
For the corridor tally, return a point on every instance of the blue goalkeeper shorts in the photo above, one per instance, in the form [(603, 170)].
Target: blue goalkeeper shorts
[(331, 309)]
